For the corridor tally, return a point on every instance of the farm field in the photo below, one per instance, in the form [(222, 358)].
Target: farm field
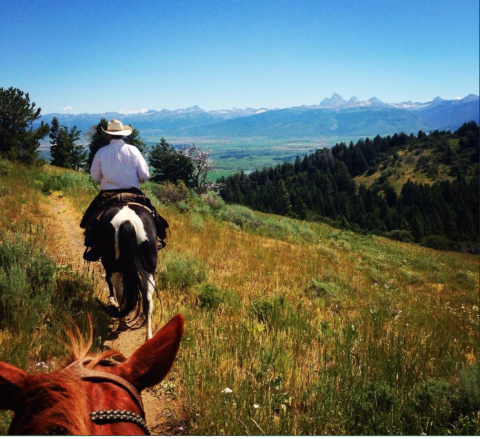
[(292, 328), (248, 154), (234, 155)]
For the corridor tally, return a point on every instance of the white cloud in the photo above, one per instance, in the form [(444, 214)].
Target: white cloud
[(141, 111), (67, 108)]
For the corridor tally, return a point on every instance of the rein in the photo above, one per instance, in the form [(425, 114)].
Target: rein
[(107, 416)]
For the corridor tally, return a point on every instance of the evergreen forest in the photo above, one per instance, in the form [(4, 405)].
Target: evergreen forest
[(438, 208)]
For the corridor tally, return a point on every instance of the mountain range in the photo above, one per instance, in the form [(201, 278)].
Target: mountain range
[(332, 116)]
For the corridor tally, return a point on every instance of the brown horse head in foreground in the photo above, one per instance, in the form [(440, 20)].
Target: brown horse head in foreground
[(91, 396)]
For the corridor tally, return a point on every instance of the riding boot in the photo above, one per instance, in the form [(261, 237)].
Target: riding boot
[(161, 226), (91, 253)]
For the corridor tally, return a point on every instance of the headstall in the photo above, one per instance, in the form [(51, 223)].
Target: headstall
[(107, 416)]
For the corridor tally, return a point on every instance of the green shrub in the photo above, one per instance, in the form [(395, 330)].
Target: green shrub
[(440, 407), (209, 296), (170, 193), (371, 410), (323, 289), (412, 277), (269, 310), (38, 300), (469, 394), (464, 280), (328, 291), (212, 200), (26, 284), (400, 235), (432, 404), (181, 271), (5, 167), (240, 216), (263, 309), (196, 221), (183, 207), (440, 243), (4, 190), (66, 181)]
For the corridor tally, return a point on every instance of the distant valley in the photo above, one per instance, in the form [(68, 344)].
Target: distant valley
[(249, 139)]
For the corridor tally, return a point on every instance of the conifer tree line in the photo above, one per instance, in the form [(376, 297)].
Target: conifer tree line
[(321, 187)]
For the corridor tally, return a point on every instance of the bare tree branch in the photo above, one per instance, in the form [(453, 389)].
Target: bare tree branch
[(203, 165)]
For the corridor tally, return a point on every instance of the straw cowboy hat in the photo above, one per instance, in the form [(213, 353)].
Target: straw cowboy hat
[(116, 128)]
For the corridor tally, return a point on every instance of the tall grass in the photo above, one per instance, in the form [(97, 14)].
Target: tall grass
[(322, 331), (39, 299), (295, 328)]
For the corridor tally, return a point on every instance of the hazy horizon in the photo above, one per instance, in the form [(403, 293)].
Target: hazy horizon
[(146, 110)]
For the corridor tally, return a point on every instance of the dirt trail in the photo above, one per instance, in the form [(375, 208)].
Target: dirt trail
[(163, 412)]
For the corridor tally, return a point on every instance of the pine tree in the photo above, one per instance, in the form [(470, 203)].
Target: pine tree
[(18, 140), (170, 165), (56, 148), (78, 155), (156, 157), (97, 139), (63, 149), (281, 202), (417, 223), (391, 196), (134, 139)]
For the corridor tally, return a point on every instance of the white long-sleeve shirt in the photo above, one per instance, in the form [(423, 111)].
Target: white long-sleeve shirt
[(119, 165)]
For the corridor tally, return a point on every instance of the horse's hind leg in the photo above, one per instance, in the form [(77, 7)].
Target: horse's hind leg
[(111, 297), (150, 291), (116, 281)]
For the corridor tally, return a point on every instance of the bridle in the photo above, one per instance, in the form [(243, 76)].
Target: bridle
[(107, 416)]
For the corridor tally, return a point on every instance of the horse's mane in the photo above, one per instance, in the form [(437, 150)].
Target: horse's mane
[(60, 400)]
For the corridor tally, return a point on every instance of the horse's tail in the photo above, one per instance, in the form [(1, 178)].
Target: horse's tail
[(134, 276)]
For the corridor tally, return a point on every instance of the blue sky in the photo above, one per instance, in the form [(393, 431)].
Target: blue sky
[(94, 56)]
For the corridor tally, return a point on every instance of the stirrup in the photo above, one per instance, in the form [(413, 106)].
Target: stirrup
[(160, 244)]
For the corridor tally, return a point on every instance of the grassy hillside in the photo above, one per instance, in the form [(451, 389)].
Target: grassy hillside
[(416, 188), (291, 327), (419, 165)]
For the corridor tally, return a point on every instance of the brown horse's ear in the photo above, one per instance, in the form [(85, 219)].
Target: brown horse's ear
[(151, 362), (13, 382)]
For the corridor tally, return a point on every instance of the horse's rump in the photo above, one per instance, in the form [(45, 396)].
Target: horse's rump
[(129, 256)]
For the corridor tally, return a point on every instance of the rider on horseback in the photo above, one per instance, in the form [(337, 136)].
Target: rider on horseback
[(119, 168)]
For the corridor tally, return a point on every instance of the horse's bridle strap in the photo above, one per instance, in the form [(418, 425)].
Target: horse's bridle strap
[(107, 416), (78, 368)]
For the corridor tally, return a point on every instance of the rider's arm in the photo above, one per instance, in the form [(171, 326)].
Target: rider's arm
[(142, 170), (96, 170)]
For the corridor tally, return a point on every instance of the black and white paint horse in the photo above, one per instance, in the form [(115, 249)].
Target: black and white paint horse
[(127, 243)]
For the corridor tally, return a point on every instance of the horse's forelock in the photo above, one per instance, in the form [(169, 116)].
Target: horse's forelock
[(53, 400)]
